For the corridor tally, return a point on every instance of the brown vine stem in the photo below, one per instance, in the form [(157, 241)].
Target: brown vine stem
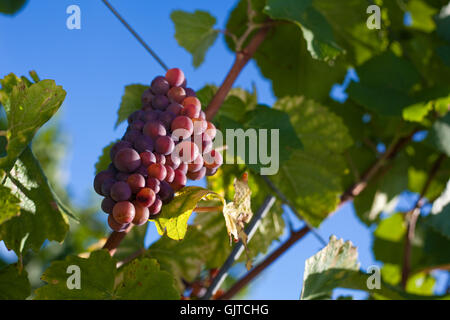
[(412, 217), (348, 195)]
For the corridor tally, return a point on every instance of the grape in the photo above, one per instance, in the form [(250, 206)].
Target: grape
[(187, 151), (136, 182), (196, 165), (191, 111), (213, 159), (119, 146), (113, 224), (122, 176), (200, 125), (132, 135), (137, 125), (123, 212), (175, 108), (173, 161), (211, 172), (183, 167), (146, 98), (160, 85), (146, 197), (141, 214), (176, 94), (127, 160), (120, 191), (154, 129), (179, 180), (175, 77), (166, 118), (170, 174), (166, 192), (150, 115), (100, 178), (203, 142), (158, 171), (136, 115), (143, 143), (192, 101), (202, 115), (106, 187), (160, 158), (153, 184), (198, 175), (142, 170), (182, 127), (147, 158), (190, 92), (211, 130), (155, 208), (108, 205), (164, 145), (160, 102)]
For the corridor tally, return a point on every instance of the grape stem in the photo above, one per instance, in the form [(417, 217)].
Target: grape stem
[(396, 146)]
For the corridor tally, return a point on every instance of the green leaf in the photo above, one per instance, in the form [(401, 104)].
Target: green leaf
[(104, 160), (311, 178), (131, 101), (11, 6), (42, 216), (422, 15), (316, 30), (441, 221), (439, 135), (3, 132), (14, 284), (182, 259), (143, 280), (385, 84), (9, 204), (97, 276), (194, 32), (175, 215), (443, 24), (29, 108)]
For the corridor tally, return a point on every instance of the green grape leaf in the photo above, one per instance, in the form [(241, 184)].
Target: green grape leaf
[(131, 101), (9, 204), (444, 53), (14, 284), (97, 276), (143, 280), (27, 110), (3, 131), (175, 215), (439, 135), (443, 26), (104, 160), (336, 266), (316, 29), (42, 214), (441, 221), (194, 32), (182, 259), (11, 7), (385, 83), (312, 178), (422, 15)]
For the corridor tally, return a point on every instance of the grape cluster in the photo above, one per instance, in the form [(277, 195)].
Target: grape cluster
[(167, 142)]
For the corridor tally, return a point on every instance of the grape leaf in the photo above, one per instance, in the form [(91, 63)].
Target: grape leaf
[(9, 204), (143, 280), (441, 221), (311, 178), (97, 278), (14, 284), (422, 15), (439, 136), (3, 131), (27, 110), (42, 214), (316, 30), (104, 160), (194, 32), (131, 101), (288, 64), (11, 7), (182, 259), (175, 215), (337, 265)]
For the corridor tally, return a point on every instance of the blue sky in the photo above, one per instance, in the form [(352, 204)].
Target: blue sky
[(95, 63)]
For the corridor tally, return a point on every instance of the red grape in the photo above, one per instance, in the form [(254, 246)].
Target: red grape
[(158, 171), (100, 178), (164, 145), (197, 175), (170, 174), (113, 224), (212, 159), (124, 212), (160, 85), (155, 208), (127, 160), (196, 165), (120, 191), (108, 205), (176, 94), (182, 127), (141, 214), (146, 197), (147, 158), (179, 180), (154, 129), (187, 151), (153, 184), (136, 182), (175, 77)]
